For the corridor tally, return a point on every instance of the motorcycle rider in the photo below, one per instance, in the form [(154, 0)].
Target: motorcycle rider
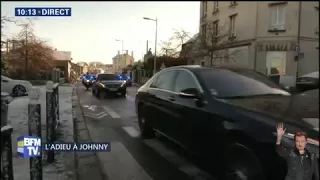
[(85, 76), (301, 163)]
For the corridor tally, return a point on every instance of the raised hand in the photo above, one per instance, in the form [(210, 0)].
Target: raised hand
[(280, 130)]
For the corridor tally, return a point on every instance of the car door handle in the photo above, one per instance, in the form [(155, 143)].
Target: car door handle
[(171, 98)]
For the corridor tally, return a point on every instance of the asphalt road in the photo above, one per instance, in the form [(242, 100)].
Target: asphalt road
[(114, 120)]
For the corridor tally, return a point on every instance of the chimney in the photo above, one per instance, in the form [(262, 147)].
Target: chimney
[(132, 53), (147, 47), (127, 52)]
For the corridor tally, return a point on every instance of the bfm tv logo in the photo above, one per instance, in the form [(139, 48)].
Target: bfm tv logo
[(29, 146)]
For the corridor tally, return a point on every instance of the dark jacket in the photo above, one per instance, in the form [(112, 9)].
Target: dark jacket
[(299, 168)]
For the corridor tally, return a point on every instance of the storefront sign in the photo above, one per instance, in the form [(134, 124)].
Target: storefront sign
[(277, 46)]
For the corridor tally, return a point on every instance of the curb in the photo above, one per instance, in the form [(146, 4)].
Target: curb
[(77, 110), (74, 131), (137, 84)]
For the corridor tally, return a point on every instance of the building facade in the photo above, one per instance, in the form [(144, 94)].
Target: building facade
[(62, 60), (121, 61), (268, 36)]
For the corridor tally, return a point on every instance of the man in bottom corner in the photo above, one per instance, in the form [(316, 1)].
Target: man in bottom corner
[(302, 164)]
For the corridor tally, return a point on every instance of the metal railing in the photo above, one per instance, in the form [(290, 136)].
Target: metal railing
[(6, 141), (6, 153), (34, 129), (52, 115)]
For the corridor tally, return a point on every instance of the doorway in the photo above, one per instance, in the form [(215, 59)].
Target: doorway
[(276, 65)]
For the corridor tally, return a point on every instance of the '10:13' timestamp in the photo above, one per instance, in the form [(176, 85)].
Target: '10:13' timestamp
[(25, 12)]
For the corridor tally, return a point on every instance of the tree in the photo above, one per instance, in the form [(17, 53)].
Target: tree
[(30, 51), (167, 49), (5, 65), (173, 45), (212, 43)]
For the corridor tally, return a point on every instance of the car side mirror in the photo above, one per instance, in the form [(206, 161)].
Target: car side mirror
[(190, 93), (193, 93)]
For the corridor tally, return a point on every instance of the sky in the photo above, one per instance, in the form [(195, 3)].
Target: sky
[(91, 31)]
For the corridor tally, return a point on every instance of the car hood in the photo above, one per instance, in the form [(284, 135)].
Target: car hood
[(296, 110), (22, 82), (112, 82)]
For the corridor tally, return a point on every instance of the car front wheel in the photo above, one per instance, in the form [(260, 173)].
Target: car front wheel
[(242, 164), (146, 130), (18, 90)]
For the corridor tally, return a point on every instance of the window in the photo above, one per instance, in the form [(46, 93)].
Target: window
[(215, 6), (278, 13), (276, 63), (202, 63), (105, 77), (232, 25), (204, 31), (215, 27), (238, 82), (205, 8), (184, 80), (164, 81)]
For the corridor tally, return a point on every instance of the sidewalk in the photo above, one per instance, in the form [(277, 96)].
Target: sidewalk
[(142, 82), (63, 167)]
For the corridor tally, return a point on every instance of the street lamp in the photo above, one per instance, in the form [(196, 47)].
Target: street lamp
[(155, 44), (121, 43)]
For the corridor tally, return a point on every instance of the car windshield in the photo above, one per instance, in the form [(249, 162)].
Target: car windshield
[(228, 83), (104, 77)]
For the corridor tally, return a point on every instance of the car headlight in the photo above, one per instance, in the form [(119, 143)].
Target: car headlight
[(102, 85), (312, 145), (124, 83)]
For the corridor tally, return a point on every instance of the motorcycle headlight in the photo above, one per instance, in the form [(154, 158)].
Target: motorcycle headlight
[(88, 81)]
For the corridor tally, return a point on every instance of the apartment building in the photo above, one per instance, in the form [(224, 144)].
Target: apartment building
[(121, 61), (268, 36)]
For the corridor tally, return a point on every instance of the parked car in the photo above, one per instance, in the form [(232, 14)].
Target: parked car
[(108, 84), (312, 93), (225, 116), (15, 87), (307, 82)]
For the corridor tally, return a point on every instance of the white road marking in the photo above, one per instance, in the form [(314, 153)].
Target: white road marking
[(121, 157), (130, 98), (97, 116), (180, 162), (93, 107), (132, 131), (111, 112)]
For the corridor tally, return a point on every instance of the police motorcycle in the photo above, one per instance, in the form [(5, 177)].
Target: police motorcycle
[(87, 80)]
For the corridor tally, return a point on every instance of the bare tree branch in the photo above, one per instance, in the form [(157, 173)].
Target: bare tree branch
[(30, 52), (211, 44)]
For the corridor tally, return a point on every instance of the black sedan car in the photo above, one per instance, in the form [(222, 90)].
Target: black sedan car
[(226, 117), (108, 84), (308, 82)]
